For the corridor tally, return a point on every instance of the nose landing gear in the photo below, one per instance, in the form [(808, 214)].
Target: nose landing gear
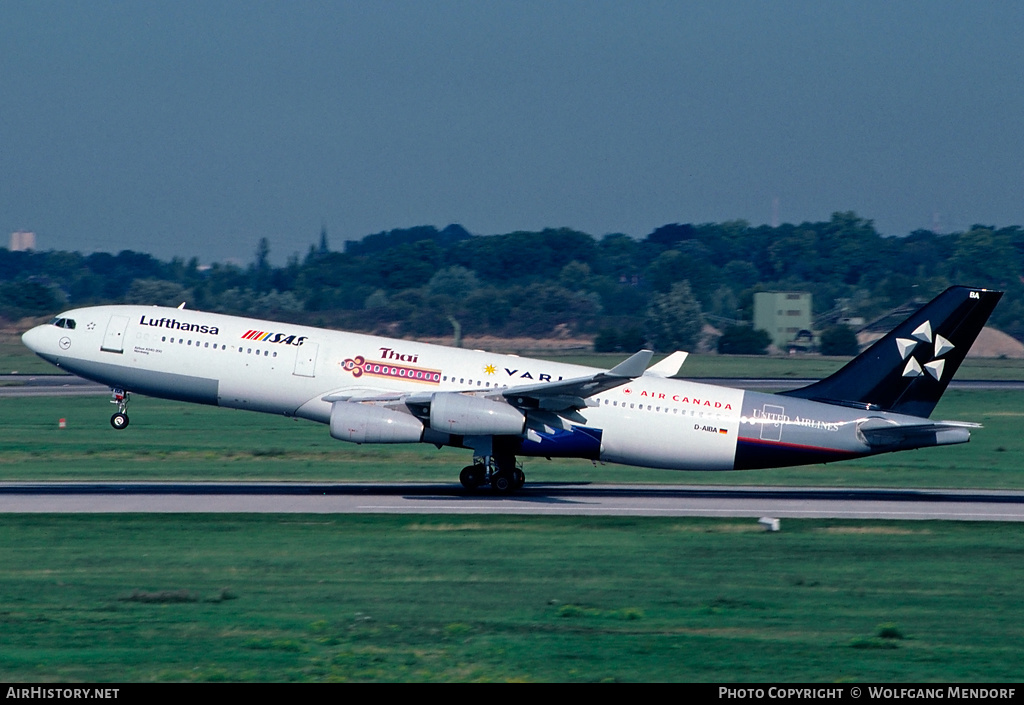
[(120, 419)]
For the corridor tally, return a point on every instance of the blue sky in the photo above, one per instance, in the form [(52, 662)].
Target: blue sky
[(197, 128)]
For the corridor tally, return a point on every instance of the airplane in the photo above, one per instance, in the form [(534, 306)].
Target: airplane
[(370, 389)]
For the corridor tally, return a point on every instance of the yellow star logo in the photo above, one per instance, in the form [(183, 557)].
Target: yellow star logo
[(490, 369)]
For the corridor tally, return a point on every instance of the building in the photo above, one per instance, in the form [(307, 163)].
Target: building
[(786, 315), (21, 241)]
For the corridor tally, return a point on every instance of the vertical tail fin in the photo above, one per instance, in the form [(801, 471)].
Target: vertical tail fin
[(909, 369)]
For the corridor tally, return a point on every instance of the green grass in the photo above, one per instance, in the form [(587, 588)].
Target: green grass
[(423, 598), (15, 358), (176, 441)]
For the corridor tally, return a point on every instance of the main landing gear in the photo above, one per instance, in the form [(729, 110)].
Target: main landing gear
[(119, 420), (502, 472)]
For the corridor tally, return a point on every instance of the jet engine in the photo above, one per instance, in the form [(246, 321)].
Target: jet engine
[(464, 415), (365, 423)]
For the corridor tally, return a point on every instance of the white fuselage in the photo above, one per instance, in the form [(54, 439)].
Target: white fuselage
[(280, 368)]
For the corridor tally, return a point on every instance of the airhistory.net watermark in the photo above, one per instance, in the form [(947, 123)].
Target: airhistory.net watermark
[(40, 693)]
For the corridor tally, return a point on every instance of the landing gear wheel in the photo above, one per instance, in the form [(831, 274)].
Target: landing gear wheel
[(503, 482), (119, 397), (518, 479), (472, 476)]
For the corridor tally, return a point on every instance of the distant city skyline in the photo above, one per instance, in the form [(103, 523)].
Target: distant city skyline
[(198, 128)]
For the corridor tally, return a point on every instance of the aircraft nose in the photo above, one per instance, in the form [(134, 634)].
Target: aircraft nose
[(35, 338)]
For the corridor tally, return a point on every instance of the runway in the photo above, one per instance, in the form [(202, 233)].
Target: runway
[(49, 386), (566, 499), (562, 499)]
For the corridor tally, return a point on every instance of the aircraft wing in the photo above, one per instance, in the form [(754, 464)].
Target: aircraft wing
[(669, 367), (563, 395), (568, 394), (369, 396)]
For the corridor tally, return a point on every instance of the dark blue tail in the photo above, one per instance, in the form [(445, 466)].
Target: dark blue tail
[(909, 369)]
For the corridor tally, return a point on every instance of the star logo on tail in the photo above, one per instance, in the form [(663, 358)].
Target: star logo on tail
[(923, 334)]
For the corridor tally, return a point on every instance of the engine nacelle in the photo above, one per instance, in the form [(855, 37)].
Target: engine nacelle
[(366, 423), (464, 415)]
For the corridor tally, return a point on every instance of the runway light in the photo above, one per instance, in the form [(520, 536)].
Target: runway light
[(769, 523), (62, 424)]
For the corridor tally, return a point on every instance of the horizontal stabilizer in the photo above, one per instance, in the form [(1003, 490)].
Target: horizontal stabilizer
[(887, 434)]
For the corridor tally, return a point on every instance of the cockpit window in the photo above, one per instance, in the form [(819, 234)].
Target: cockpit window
[(64, 323)]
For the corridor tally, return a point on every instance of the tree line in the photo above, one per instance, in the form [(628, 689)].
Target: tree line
[(623, 291)]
